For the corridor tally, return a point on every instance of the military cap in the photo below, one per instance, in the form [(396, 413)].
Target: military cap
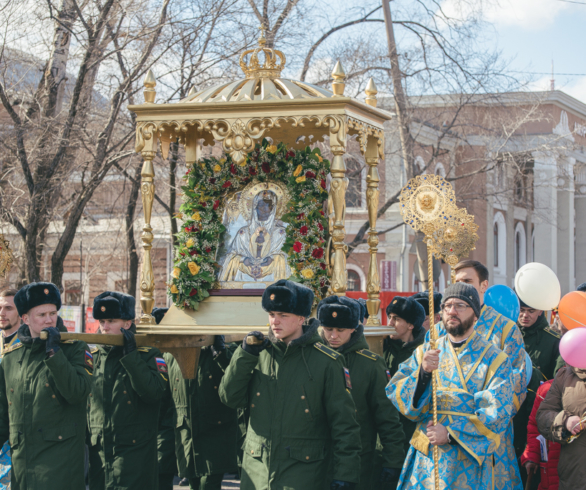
[(408, 309), (114, 305), (423, 300), (159, 313), (339, 312), (37, 294), (582, 287), (364, 312), (288, 297), (466, 293)]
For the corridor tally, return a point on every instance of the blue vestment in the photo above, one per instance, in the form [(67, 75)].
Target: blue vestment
[(475, 400), (5, 459)]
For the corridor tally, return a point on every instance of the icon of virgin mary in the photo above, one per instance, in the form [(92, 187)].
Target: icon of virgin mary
[(255, 252)]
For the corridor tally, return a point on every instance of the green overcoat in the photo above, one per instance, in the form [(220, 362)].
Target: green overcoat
[(42, 412), (206, 430), (301, 413), (397, 352), (166, 436), (374, 411), (123, 413)]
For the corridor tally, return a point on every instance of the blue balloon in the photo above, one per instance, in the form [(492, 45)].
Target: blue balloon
[(504, 300), (528, 366)]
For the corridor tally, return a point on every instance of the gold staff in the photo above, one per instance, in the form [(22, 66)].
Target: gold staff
[(426, 202)]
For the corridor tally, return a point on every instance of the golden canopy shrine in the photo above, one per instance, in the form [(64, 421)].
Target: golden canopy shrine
[(239, 114)]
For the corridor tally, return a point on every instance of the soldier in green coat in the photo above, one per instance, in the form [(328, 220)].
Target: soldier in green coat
[(44, 386), (301, 409), (406, 316), (542, 344), (341, 330), (123, 407)]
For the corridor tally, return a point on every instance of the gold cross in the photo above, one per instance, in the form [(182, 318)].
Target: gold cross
[(262, 40)]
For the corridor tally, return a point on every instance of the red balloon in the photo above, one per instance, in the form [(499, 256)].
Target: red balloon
[(572, 310)]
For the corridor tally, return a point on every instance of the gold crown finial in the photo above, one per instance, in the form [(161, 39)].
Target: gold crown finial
[(338, 75), (149, 87), (371, 92), (274, 60)]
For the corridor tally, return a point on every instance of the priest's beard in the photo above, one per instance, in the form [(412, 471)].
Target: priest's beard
[(461, 328)]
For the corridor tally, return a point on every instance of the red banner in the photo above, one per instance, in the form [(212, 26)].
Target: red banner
[(91, 325), (385, 299)]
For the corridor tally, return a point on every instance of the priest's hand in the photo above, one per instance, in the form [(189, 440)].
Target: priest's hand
[(430, 360), (573, 424), (267, 261), (247, 261), (437, 434)]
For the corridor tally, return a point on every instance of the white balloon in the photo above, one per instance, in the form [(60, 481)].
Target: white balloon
[(538, 286)]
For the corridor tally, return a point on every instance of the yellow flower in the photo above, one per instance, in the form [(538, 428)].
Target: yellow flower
[(320, 159), (178, 215), (174, 289), (176, 272), (243, 163), (202, 165), (222, 161), (298, 170), (193, 268), (272, 149), (195, 216), (300, 179), (307, 273), (189, 243), (217, 167)]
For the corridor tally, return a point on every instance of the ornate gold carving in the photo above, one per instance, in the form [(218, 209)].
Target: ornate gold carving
[(147, 279), (252, 189), (372, 195), (271, 68), (149, 88), (6, 257), (338, 85), (371, 92)]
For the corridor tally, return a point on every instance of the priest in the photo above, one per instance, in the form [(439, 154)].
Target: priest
[(475, 399)]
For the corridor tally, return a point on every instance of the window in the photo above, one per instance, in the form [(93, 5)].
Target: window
[(353, 281), (517, 250), (496, 245), (354, 171), (520, 246)]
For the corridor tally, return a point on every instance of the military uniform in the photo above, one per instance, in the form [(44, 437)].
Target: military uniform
[(166, 442), (206, 429), (374, 411), (5, 460), (42, 412), (542, 344), (123, 407)]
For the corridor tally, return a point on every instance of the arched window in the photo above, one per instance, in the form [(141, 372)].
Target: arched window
[(354, 283), (500, 245), (496, 245), (440, 170), (520, 246)]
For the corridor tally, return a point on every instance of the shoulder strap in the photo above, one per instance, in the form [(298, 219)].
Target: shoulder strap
[(368, 354), (324, 349), (553, 333), (144, 349), (13, 347)]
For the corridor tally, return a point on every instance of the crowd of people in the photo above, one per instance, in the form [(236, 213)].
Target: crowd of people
[(305, 405)]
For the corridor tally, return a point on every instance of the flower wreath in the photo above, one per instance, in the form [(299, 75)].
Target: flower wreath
[(210, 181)]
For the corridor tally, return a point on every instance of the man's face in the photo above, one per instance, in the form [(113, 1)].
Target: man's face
[(436, 318), (112, 326), (39, 318), (401, 326), (528, 316), (469, 276), (458, 317), (9, 319), (336, 337), (285, 326), (263, 210)]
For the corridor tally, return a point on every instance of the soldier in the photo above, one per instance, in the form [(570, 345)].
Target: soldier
[(406, 316), (423, 300), (44, 386), (342, 331), (123, 407), (301, 409)]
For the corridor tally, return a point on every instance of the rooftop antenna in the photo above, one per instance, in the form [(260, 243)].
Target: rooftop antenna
[(552, 86)]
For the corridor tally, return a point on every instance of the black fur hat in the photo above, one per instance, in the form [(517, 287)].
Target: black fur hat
[(159, 313), (288, 297), (114, 305), (408, 309), (36, 294), (423, 300), (364, 313), (582, 287), (339, 312)]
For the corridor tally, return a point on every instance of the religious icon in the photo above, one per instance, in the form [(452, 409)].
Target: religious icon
[(255, 236)]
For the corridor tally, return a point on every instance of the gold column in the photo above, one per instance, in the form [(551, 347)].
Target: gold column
[(372, 194), (147, 277)]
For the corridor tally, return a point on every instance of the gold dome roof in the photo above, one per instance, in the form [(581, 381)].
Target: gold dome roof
[(263, 81)]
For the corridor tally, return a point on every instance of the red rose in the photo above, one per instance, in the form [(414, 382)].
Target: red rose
[(320, 226), (226, 184), (301, 216), (322, 265), (187, 229), (233, 169), (203, 204), (303, 230), (182, 254), (322, 213), (297, 247), (216, 204), (213, 180), (208, 250), (290, 154), (317, 253), (193, 252), (193, 292), (266, 168), (309, 174), (187, 173), (323, 184), (252, 171)]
